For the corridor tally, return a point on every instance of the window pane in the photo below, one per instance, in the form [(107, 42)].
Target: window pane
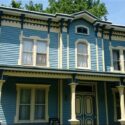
[(82, 48), (24, 112), (82, 30), (39, 96), (82, 61), (28, 46), (25, 96), (39, 104), (41, 59), (24, 108), (116, 59), (41, 47), (118, 111), (39, 112), (27, 58)]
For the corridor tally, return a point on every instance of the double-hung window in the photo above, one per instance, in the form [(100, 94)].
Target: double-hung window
[(35, 52), (82, 55), (118, 59), (32, 104)]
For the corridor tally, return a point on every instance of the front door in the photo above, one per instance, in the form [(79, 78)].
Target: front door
[(86, 108)]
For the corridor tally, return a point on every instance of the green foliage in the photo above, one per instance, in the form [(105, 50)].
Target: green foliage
[(16, 4), (34, 7), (95, 7)]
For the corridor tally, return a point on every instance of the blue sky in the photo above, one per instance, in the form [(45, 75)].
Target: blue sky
[(116, 9)]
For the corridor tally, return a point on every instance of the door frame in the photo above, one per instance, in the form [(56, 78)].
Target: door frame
[(96, 96)]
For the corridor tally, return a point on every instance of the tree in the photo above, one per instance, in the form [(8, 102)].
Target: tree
[(16, 4), (95, 7), (34, 7)]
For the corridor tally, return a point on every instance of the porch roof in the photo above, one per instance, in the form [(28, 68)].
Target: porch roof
[(28, 71)]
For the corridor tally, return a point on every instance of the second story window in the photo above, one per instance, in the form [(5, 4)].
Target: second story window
[(118, 59), (82, 30), (82, 55), (34, 52)]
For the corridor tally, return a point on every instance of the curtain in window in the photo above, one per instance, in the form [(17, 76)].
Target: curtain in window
[(24, 108), (28, 52), (116, 59), (39, 104), (41, 53), (82, 55)]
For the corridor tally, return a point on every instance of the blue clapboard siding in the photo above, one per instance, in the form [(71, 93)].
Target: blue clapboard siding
[(31, 32), (64, 49), (107, 55), (66, 103), (100, 61), (73, 37), (9, 45), (53, 50), (101, 103), (9, 97)]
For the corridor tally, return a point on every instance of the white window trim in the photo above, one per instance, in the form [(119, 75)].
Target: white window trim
[(89, 53), (33, 87), (121, 49), (35, 39), (82, 27)]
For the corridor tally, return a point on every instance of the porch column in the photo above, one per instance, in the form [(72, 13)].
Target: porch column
[(73, 119), (122, 105), (1, 84)]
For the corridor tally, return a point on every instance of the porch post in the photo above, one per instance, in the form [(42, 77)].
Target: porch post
[(1, 84), (122, 105), (73, 119)]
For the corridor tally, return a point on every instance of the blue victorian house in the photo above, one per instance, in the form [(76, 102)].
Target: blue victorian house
[(69, 68)]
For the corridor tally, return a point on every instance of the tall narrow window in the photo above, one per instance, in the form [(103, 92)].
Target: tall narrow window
[(27, 52), (124, 58), (82, 55), (116, 60), (41, 58)]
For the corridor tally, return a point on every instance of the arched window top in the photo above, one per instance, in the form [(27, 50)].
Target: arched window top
[(82, 47), (80, 29)]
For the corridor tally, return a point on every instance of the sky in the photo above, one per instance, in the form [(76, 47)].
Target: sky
[(116, 9)]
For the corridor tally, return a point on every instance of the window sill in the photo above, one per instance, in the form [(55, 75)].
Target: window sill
[(82, 34), (36, 66), (28, 121), (83, 68)]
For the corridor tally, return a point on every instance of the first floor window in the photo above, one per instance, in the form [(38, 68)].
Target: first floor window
[(32, 103), (82, 55), (117, 105), (34, 52)]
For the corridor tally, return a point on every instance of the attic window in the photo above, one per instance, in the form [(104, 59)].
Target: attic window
[(82, 30)]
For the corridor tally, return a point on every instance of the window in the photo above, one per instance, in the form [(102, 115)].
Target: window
[(117, 110), (118, 59), (82, 30), (82, 55), (32, 104), (34, 52)]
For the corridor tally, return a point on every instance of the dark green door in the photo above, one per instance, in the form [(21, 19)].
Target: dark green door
[(85, 109)]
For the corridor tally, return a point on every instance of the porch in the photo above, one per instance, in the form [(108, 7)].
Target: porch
[(73, 97)]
